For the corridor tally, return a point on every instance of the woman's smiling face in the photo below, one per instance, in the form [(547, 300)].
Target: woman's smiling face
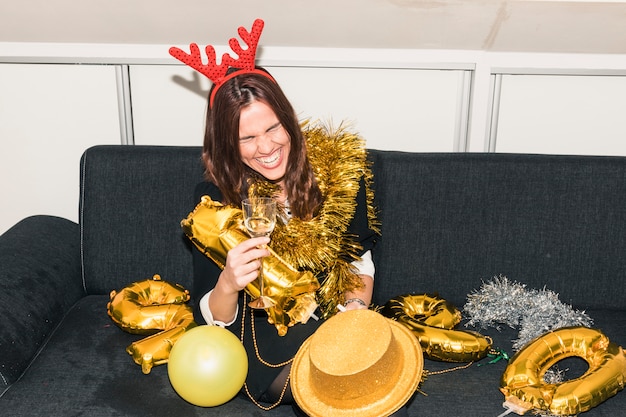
[(263, 142)]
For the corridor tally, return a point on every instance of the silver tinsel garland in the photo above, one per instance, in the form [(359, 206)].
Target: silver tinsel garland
[(535, 311)]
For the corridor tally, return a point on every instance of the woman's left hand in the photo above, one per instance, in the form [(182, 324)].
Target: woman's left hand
[(360, 299), (355, 304)]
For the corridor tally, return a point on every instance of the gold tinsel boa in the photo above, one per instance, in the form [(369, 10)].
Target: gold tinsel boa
[(323, 245)]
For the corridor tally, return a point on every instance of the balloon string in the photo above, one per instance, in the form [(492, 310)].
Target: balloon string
[(509, 411), (496, 355)]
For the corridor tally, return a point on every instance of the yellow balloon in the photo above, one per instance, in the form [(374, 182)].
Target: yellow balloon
[(432, 320), (207, 366)]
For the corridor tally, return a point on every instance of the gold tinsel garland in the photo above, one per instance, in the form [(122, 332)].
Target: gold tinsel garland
[(323, 245)]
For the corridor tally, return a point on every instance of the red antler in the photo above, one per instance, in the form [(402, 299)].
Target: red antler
[(215, 72)]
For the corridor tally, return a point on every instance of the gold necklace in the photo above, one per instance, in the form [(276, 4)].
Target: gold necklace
[(263, 361)]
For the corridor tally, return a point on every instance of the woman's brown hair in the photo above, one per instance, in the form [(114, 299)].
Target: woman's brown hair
[(221, 154)]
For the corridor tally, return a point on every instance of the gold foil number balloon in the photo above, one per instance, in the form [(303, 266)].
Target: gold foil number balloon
[(215, 229), (524, 388), (149, 306), (207, 366), (432, 320)]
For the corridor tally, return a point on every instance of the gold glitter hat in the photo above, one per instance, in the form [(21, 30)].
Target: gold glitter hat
[(357, 363)]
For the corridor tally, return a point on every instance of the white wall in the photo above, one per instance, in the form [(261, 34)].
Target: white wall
[(404, 109), (578, 114), (49, 114), (412, 100)]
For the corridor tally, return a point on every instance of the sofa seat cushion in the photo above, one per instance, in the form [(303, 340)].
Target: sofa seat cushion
[(85, 367)]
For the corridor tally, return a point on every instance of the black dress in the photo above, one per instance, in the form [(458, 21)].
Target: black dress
[(273, 348)]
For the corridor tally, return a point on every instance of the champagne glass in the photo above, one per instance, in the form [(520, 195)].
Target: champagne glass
[(259, 217)]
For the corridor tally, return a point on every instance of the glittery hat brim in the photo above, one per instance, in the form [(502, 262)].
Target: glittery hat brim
[(385, 404)]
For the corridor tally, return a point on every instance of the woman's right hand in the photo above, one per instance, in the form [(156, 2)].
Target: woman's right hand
[(243, 263), (242, 267)]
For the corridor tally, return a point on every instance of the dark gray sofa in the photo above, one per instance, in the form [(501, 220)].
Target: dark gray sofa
[(450, 222)]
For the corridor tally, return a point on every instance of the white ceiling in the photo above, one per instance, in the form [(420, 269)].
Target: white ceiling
[(490, 25)]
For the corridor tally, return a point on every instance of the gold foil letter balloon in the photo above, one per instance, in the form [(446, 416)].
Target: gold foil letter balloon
[(524, 388), (215, 229), (432, 320), (149, 306)]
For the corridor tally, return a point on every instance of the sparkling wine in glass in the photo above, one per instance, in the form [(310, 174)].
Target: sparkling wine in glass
[(259, 217)]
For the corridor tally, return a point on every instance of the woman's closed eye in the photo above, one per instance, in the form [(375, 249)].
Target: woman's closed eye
[(275, 128)]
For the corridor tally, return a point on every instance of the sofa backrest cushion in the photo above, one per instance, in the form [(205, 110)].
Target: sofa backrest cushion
[(132, 199), (449, 221), (452, 221)]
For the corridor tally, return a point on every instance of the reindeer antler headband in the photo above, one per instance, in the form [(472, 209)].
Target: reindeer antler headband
[(218, 73)]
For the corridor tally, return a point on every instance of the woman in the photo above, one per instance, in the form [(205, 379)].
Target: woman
[(253, 136)]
